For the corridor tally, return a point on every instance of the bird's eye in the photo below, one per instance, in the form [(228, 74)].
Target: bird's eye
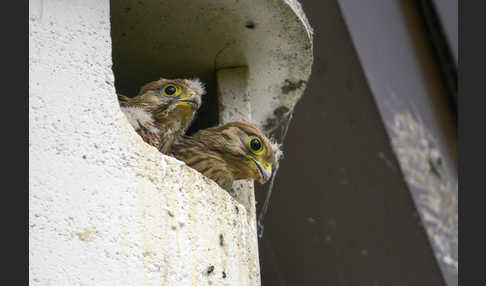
[(171, 90), (255, 145)]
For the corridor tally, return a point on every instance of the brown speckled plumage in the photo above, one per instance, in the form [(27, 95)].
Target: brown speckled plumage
[(223, 153), (161, 119)]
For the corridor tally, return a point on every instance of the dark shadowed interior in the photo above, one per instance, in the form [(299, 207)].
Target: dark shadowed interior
[(341, 212)]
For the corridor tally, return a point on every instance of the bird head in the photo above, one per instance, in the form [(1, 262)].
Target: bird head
[(168, 94), (163, 110), (248, 153)]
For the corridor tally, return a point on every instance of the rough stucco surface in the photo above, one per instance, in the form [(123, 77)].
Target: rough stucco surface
[(435, 189), (104, 207), (272, 38)]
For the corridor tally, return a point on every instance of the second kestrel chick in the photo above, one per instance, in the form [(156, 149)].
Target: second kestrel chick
[(163, 110), (234, 151)]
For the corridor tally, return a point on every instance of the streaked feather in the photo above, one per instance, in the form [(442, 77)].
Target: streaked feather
[(160, 119), (221, 153)]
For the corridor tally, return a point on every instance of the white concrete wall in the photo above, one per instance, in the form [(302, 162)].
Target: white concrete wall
[(104, 207)]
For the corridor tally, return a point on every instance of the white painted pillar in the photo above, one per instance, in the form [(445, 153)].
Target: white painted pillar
[(105, 208), (234, 104)]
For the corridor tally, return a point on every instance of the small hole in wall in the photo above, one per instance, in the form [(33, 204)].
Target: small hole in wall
[(250, 25), (210, 269), (141, 54), (221, 240)]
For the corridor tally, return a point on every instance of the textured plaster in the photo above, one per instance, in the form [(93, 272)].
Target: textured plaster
[(271, 38), (104, 207), (234, 105), (435, 189)]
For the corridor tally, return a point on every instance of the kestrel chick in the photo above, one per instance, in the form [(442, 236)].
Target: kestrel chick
[(234, 151), (163, 110)]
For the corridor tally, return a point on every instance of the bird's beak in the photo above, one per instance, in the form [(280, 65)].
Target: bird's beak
[(264, 170), (192, 98)]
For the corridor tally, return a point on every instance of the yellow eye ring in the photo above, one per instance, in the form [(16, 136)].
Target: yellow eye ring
[(171, 90), (255, 145)]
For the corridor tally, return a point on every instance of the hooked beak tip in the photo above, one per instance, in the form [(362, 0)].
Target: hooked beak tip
[(263, 173), (194, 100)]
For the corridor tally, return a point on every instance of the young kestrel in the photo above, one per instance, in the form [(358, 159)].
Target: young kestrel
[(163, 110), (234, 151)]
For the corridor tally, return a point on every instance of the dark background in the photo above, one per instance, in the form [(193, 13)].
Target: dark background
[(341, 212)]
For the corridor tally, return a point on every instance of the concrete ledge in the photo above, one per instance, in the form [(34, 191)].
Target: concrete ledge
[(104, 207), (155, 222)]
